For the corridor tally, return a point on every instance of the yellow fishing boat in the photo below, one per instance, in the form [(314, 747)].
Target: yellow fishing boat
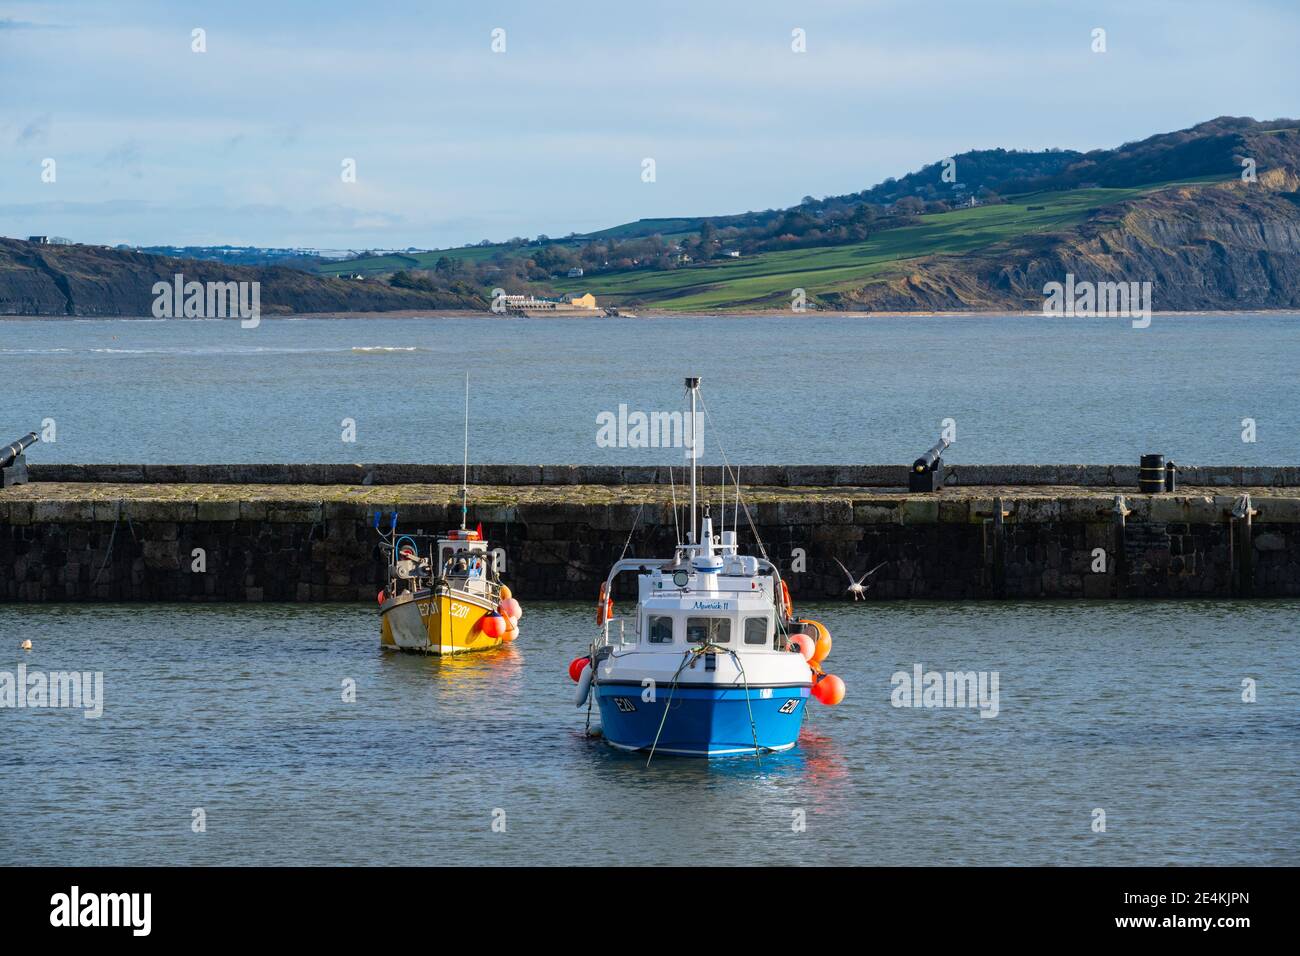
[(444, 594)]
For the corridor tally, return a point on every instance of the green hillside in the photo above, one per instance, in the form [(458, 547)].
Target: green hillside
[(766, 280), (834, 247), (395, 262)]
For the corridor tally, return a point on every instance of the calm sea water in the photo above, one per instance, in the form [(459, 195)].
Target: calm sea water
[(1132, 708), (779, 389)]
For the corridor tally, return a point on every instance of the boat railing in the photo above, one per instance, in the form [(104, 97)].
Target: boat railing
[(619, 630)]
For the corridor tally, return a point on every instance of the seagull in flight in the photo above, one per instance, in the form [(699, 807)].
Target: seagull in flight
[(857, 588)]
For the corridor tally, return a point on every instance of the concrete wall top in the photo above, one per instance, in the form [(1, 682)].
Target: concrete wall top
[(789, 476)]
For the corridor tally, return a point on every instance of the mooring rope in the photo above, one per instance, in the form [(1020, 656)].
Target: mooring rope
[(591, 692), (753, 729), (687, 656), (117, 519), (695, 654)]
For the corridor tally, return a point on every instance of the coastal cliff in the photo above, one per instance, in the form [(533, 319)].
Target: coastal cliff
[(77, 280), (1216, 246)]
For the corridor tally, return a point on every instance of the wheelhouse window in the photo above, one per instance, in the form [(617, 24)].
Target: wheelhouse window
[(661, 630), (711, 630), (756, 631)]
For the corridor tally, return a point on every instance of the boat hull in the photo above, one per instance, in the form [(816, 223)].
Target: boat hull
[(433, 623), (702, 720)]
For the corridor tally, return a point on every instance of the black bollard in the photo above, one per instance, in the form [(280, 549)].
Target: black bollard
[(1151, 474)]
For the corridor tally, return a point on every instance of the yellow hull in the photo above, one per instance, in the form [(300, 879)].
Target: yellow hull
[(436, 623)]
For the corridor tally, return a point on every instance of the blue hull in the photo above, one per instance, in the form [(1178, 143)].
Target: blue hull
[(702, 721)]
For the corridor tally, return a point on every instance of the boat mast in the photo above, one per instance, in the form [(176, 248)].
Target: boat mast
[(693, 386), (464, 475)]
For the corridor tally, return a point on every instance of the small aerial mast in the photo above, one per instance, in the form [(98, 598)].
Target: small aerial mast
[(464, 474), (693, 386)]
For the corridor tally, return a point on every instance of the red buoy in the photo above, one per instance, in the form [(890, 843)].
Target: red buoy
[(829, 690), (575, 667)]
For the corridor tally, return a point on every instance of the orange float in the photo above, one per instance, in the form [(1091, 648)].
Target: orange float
[(823, 640), (829, 690), (804, 644)]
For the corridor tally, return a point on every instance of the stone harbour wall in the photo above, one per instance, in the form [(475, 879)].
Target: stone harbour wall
[(780, 476), (134, 541)]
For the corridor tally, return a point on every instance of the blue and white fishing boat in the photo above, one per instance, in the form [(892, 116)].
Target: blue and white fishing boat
[(711, 662)]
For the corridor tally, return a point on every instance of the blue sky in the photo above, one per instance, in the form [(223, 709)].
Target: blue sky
[(454, 143)]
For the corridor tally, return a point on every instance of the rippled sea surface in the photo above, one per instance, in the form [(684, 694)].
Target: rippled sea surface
[(780, 389), (1135, 709)]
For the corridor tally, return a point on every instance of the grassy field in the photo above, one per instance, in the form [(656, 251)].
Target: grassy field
[(394, 262), (765, 280)]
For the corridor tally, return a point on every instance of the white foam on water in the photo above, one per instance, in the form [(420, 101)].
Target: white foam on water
[(218, 350)]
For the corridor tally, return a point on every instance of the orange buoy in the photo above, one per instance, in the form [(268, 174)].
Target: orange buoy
[(823, 640), (787, 606), (804, 644), (506, 593), (575, 667), (493, 625), (381, 597), (829, 690)]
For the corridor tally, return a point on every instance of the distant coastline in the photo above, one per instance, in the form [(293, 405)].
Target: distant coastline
[(649, 314)]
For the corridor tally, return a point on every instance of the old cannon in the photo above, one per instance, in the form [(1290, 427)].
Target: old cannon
[(926, 473), (13, 463)]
